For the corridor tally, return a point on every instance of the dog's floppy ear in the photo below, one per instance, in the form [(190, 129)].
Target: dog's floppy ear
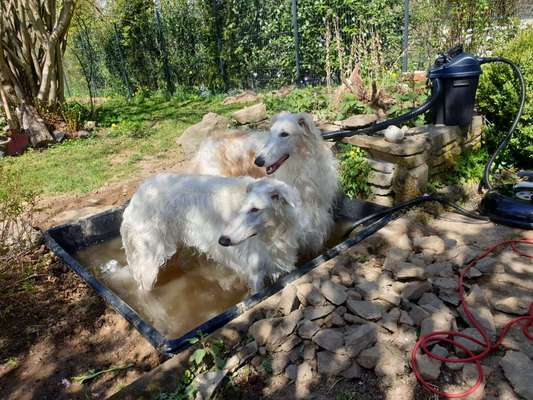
[(286, 193), (305, 120)]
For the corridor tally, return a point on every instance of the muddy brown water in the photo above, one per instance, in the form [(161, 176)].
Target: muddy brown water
[(189, 291)]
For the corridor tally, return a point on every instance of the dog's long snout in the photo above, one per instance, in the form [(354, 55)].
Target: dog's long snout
[(259, 161), (224, 241)]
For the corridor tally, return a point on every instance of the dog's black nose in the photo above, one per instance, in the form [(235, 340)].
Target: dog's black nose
[(224, 241), (259, 161)]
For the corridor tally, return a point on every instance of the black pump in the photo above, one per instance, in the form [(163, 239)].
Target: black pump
[(454, 79)]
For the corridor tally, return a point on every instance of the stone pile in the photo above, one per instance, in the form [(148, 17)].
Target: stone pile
[(400, 171)]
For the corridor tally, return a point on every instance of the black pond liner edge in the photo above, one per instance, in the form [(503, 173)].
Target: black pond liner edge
[(174, 346)]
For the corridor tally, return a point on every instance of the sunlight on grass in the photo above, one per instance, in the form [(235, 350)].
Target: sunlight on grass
[(80, 166)]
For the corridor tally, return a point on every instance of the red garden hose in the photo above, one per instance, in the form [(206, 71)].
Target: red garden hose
[(446, 336)]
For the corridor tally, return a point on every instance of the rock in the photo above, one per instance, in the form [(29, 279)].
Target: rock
[(393, 134), (89, 125), (291, 371), (472, 346), (369, 357), (245, 97), (272, 332), (369, 289), (304, 379), (392, 362), (191, 138), (308, 294), (395, 256), (438, 321), (329, 339), (332, 364), (418, 314), (365, 309), (250, 115), (313, 313), (353, 294), (34, 127), (58, 135), (473, 273), (309, 351), (445, 283), (517, 368), (414, 290), (390, 320), (335, 319), (353, 319), (406, 319), (433, 243), (290, 343), (288, 301), (354, 371), (307, 329), (431, 300), (356, 121), (206, 383), (279, 361), (428, 367), (443, 269), (336, 294), (450, 296), (405, 270), (480, 309), (511, 305), (360, 338), (82, 134)]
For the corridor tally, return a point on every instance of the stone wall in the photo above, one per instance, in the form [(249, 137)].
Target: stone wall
[(401, 171)]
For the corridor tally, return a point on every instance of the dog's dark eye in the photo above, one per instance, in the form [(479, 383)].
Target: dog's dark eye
[(254, 210), (284, 134)]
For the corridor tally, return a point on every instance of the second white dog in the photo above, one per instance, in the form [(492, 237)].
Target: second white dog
[(251, 226), (293, 152)]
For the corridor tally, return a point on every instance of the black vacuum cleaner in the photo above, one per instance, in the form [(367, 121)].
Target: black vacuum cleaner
[(454, 78)]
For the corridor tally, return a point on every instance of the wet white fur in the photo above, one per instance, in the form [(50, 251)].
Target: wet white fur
[(311, 167), (169, 211)]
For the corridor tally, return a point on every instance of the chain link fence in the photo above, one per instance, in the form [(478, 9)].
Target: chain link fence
[(220, 45)]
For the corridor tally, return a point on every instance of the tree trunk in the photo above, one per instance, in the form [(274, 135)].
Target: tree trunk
[(32, 45)]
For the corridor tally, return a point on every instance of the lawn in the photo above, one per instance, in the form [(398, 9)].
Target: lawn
[(128, 133)]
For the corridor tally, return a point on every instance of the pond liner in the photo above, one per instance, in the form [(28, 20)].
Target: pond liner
[(69, 238)]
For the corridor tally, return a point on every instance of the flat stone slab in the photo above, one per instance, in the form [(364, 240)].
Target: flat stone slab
[(409, 146), (518, 369)]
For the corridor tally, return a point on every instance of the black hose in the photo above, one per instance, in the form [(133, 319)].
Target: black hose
[(410, 203), (379, 126), (518, 74)]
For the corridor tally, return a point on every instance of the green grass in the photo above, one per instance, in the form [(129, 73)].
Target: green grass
[(80, 166)]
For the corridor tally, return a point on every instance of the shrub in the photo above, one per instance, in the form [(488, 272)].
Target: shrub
[(351, 105), (307, 99), (75, 114), (498, 99), (469, 167), (131, 129), (354, 171), (16, 206)]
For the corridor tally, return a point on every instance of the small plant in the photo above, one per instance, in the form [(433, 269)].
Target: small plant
[(131, 129), (354, 171), (351, 105), (469, 167), (307, 99), (75, 114)]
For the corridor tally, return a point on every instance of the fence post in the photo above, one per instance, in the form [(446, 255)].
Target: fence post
[(163, 48), (122, 63), (405, 36), (294, 9)]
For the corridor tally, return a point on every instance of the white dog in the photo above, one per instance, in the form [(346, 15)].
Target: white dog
[(293, 152), (251, 226)]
